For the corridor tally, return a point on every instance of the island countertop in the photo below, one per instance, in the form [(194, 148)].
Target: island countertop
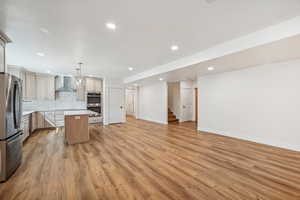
[(79, 112), (77, 126)]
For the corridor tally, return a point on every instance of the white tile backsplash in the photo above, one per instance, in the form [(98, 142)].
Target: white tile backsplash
[(65, 101)]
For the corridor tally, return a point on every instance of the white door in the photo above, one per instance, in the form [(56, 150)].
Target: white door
[(186, 104), (129, 103), (116, 105)]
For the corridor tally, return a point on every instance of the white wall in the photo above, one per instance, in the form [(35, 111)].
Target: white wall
[(260, 104), (174, 98), (153, 102)]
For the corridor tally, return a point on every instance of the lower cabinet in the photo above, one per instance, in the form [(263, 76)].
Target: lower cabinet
[(32, 122), (26, 126), (40, 120)]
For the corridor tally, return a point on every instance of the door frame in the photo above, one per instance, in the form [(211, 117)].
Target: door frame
[(134, 93), (196, 105)]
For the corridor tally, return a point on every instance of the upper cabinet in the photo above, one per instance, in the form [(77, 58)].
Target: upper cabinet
[(29, 91), (45, 87), (14, 70), (93, 85), (89, 84), (35, 86), (39, 86)]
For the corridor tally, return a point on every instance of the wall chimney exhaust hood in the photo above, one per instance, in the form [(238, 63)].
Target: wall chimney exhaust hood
[(64, 84)]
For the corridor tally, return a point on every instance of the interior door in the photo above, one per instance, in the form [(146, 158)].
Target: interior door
[(116, 105), (186, 104), (129, 103)]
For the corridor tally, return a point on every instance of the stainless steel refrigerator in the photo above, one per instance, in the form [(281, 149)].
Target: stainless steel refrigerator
[(10, 125)]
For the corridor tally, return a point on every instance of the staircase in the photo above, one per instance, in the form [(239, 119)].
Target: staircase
[(171, 116)]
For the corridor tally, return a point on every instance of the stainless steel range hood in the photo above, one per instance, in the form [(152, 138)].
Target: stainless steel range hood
[(64, 84)]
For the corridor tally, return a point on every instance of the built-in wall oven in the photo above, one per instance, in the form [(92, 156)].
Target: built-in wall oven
[(94, 98), (94, 104), (96, 109)]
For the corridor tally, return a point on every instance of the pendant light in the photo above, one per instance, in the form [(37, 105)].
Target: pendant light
[(79, 77)]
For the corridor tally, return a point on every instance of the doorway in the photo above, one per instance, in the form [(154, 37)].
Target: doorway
[(183, 103), (131, 102), (173, 102)]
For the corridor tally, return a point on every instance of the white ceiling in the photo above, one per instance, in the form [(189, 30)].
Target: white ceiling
[(145, 31), (279, 51)]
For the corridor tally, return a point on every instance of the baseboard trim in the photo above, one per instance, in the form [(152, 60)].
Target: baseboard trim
[(255, 140), (155, 121)]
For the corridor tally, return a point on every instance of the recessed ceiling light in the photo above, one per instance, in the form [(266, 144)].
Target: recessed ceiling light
[(210, 1), (43, 30), (48, 71), (130, 68), (161, 79), (40, 54), (111, 26), (174, 48), (210, 68)]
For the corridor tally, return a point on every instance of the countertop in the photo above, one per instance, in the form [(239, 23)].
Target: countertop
[(56, 117), (28, 112), (79, 112)]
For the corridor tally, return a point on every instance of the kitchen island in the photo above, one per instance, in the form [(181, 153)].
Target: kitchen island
[(77, 126)]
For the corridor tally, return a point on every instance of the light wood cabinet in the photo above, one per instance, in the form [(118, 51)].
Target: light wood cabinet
[(38, 86), (76, 128), (14, 70), (98, 85), (80, 94), (34, 122), (26, 126), (93, 85), (20, 73), (29, 92), (40, 122), (45, 87), (89, 84)]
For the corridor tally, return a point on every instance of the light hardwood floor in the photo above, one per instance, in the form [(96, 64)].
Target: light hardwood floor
[(143, 160)]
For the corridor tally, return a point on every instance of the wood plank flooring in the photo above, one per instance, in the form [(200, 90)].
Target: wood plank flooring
[(144, 160)]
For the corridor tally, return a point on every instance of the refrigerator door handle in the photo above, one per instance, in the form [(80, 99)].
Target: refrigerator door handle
[(16, 106)]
